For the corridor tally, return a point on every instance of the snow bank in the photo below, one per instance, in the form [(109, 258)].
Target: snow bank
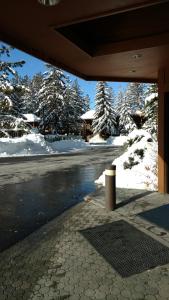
[(137, 167), (97, 139), (34, 144), (68, 145), (112, 140), (117, 140)]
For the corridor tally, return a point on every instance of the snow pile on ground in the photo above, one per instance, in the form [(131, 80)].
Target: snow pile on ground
[(97, 139), (117, 140), (137, 167), (68, 145), (112, 140), (34, 144)]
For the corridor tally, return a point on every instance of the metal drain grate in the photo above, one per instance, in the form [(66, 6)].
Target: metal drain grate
[(128, 250)]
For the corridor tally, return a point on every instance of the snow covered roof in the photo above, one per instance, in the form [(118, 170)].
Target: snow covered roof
[(89, 115), (31, 118), (151, 96)]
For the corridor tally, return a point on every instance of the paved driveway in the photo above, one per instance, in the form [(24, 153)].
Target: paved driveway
[(34, 190)]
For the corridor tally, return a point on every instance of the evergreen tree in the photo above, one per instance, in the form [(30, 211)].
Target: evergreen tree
[(135, 94), (152, 88), (151, 110), (51, 98), (79, 104), (120, 98), (75, 104), (8, 91), (68, 119), (126, 123), (9, 100), (22, 94), (35, 86), (104, 119), (29, 99), (87, 102)]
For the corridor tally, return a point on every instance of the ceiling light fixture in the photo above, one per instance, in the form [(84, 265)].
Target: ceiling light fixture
[(49, 2), (137, 56)]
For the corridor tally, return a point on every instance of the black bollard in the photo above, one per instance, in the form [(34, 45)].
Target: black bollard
[(110, 187)]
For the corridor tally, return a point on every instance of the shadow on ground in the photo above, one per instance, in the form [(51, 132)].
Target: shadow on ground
[(158, 216), (132, 199)]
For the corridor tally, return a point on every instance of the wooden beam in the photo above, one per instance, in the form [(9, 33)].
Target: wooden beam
[(163, 139), (161, 160), (121, 79)]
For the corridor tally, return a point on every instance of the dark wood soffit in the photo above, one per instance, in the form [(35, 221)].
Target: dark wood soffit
[(20, 37), (46, 58), (105, 13), (142, 28), (43, 56), (135, 44)]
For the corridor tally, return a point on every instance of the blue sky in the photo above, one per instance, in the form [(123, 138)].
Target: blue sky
[(33, 65)]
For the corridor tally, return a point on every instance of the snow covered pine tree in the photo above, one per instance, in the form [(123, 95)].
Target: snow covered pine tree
[(104, 122), (151, 110), (126, 123), (8, 103), (135, 94), (10, 121), (51, 99)]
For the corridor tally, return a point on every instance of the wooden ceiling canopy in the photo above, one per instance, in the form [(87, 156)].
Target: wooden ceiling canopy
[(112, 40)]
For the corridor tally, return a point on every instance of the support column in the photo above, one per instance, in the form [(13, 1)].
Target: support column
[(163, 131)]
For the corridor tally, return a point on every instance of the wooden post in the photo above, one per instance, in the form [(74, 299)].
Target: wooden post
[(110, 187), (163, 131)]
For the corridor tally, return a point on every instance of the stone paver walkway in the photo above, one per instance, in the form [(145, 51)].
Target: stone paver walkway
[(57, 262)]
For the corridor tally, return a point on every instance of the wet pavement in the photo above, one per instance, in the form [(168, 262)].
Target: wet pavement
[(41, 188)]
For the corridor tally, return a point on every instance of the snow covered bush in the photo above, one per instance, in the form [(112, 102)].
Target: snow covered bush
[(137, 135), (137, 166), (136, 142), (130, 163)]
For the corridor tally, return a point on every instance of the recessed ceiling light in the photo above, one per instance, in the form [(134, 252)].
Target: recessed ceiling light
[(49, 2), (137, 56)]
